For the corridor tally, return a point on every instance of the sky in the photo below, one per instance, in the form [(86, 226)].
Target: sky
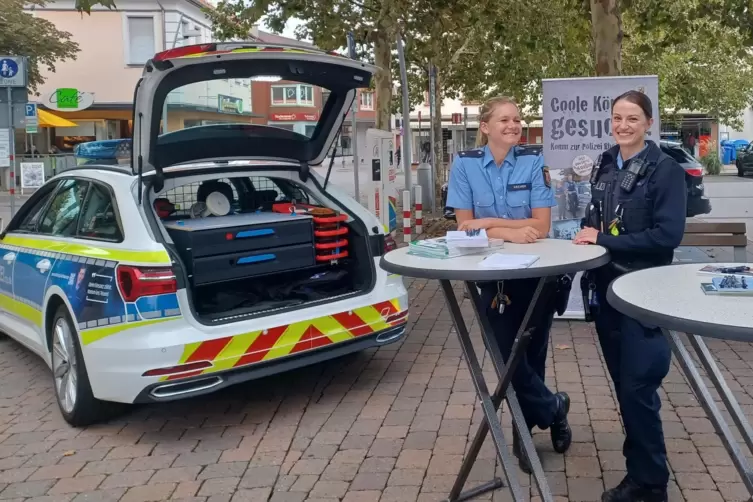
[(289, 30)]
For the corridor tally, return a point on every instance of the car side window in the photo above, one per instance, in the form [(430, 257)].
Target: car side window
[(99, 219), (62, 215), (29, 222)]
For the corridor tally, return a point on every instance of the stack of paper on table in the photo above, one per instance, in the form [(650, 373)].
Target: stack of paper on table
[(508, 261), (439, 247), (467, 239)]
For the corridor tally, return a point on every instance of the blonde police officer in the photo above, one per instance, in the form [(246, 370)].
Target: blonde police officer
[(506, 189)]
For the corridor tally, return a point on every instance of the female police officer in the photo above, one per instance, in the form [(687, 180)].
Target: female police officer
[(506, 190), (637, 212)]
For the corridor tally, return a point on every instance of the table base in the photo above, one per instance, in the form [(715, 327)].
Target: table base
[(707, 401), (490, 403)]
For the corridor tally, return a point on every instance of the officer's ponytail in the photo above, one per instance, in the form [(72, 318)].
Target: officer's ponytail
[(485, 114)]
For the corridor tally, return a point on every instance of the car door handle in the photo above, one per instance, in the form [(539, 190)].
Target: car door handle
[(9, 257), (43, 265)]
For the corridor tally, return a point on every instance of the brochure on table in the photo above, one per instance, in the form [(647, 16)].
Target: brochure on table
[(727, 281), (473, 242), (576, 116)]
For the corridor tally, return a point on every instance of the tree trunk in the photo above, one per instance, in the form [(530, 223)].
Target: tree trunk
[(606, 28), (383, 79), (438, 146)]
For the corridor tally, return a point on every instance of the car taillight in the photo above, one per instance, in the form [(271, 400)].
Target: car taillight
[(389, 243), (694, 172), (137, 282), (188, 50)]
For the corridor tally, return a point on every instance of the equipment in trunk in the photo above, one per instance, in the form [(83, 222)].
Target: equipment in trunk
[(238, 246)]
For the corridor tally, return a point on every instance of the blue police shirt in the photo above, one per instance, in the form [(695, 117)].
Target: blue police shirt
[(621, 162), (509, 191)]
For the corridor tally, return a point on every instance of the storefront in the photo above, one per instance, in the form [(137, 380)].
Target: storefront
[(302, 123)]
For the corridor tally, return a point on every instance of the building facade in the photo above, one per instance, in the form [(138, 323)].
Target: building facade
[(113, 47)]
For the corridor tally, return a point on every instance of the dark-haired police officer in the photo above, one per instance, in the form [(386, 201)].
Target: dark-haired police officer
[(637, 212), (505, 189)]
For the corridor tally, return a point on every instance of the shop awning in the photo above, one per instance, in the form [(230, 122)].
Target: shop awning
[(47, 119)]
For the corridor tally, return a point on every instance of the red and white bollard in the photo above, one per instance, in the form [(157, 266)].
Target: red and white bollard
[(419, 210), (406, 216)]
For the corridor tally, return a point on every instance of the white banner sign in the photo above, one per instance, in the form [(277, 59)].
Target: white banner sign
[(4, 147), (32, 174), (577, 129)]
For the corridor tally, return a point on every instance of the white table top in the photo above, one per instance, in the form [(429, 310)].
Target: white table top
[(556, 257), (671, 297)]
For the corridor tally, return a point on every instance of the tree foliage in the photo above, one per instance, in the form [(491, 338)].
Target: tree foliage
[(23, 34), (702, 55), (704, 63), (373, 23)]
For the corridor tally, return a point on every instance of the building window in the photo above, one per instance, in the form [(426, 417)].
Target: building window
[(293, 95), (367, 101), (141, 43)]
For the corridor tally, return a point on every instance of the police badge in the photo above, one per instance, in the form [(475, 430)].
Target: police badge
[(547, 177)]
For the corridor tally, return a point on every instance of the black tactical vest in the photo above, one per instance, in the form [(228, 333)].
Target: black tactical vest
[(635, 208)]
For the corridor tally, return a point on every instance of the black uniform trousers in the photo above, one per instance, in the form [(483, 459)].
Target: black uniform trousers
[(638, 358), (537, 402)]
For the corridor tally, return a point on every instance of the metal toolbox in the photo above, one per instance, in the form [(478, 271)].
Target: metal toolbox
[(239, 232)]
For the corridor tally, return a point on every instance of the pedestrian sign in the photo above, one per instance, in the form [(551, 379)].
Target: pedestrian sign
[(12, 72), (32, 121)]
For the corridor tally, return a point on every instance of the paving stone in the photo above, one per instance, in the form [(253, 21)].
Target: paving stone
[(387, 425)]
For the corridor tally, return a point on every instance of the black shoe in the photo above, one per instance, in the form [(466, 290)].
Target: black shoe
[(517, 450), (629, 491), (562, 435)]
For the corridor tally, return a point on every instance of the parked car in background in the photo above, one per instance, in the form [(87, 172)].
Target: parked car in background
[(744, 162), (697, 201)]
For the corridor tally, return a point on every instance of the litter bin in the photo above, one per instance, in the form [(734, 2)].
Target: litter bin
[(727, 152)]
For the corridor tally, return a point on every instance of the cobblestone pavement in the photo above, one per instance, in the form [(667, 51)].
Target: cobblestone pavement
[(385, 425)]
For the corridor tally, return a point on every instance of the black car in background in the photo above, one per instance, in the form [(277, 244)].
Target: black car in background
[(697, 201)]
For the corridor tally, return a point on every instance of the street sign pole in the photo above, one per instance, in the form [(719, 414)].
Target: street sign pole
[(407, 135), (432, 111), (12, 149), (13, 74), (354, 130)]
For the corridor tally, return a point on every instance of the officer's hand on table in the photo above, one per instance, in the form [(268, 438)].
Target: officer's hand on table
[(587, 235), (475, 224), (524, 235)]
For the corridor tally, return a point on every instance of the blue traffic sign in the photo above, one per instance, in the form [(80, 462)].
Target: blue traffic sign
[(12, 71), (31, 109), (8, 68)]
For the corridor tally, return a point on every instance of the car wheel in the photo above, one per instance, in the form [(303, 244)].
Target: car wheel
[(74, 394)]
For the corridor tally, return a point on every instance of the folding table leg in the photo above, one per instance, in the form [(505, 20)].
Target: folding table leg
[(707, 401), (487, 407), (505, 376)]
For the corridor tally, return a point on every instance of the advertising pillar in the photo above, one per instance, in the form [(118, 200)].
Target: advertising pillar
[(577, 115)]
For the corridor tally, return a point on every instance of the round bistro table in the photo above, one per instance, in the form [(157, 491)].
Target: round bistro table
[(556, 258), (671, 298)]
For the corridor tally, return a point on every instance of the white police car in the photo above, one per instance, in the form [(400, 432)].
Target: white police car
[(219, 257)]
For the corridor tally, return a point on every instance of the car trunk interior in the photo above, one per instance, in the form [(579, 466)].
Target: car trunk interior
[(271, 248)]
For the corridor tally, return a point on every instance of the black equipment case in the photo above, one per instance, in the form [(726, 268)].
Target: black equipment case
[(226, 248)]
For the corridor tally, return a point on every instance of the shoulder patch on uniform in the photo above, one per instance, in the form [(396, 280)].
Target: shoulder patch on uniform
[(476, 154), (528, 150), (547, 177)]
